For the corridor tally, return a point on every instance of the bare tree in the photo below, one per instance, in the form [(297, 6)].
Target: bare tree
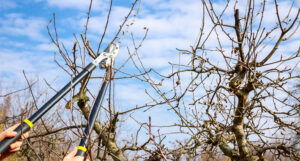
[(232, 97)]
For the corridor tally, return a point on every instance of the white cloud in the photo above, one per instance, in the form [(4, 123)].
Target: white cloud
[(8, 42), (46, 47), (270, 18), (18, 25), (97, 23), (12, 63), (163, 46), (171, 19), (131, 93)]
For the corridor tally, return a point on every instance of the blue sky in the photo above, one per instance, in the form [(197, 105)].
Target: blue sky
[(25, 44), (23, 28)]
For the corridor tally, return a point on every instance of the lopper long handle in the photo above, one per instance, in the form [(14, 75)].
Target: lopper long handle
[(81, 149)]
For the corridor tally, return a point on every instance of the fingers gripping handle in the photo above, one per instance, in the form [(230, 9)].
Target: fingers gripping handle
[(21, 129)]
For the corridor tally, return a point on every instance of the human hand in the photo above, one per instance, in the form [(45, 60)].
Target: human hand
[(71, 156), (16, 146)]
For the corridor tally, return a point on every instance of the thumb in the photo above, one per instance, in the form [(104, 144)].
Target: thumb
[(72, 153), (7, 134), (11, 134)]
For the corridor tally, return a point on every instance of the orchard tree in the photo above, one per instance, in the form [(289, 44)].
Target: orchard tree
[(232, 96)]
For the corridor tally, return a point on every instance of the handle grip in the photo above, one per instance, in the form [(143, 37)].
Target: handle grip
[(80, 151), (81, 148), (21, 129)]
